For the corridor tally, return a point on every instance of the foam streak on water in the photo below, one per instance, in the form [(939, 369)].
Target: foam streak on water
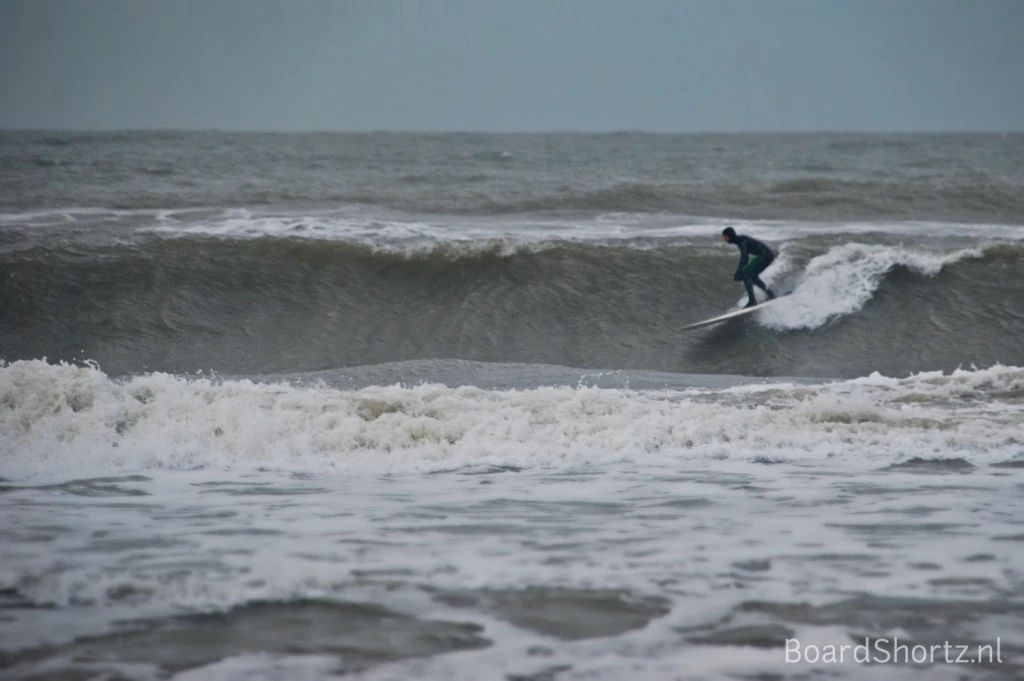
[(436, 532), (593, 569)]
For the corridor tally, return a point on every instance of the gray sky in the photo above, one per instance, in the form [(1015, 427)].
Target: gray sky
[(683, 65)]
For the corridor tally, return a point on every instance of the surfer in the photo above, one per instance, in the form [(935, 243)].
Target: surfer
[(755, 258)]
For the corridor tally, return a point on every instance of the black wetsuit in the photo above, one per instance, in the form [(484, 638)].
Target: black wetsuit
[(755, 258)]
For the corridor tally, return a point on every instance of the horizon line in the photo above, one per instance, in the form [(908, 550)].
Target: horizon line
[(552, 131)]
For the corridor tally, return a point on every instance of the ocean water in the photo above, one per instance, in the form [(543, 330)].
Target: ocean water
[(397, 406)]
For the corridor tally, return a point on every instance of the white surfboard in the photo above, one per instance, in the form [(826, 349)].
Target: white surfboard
[(730, 315)]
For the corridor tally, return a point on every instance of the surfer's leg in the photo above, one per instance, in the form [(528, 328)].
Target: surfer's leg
[(761, 285), (748, 283), (757, 268)]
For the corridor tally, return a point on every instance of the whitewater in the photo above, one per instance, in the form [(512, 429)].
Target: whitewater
[(389, 406)]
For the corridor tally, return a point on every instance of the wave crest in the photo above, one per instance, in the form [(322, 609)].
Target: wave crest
[(842, 280), (63, 420)]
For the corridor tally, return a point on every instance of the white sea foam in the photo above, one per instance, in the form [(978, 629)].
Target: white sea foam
[(197, 545), (597, 661), (401, 233), (842, 280), (70, 420), (704, 498), (264, 667), (404, 234)]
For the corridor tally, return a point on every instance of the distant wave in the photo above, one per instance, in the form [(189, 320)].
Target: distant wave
[(825, 177), (801, 198), (804, 185)]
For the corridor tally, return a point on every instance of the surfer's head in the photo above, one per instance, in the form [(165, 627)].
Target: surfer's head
[(728, 234)]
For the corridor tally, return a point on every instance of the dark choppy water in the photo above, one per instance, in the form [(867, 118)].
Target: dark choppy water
[(417, 406), (975, 178), (248, 253)]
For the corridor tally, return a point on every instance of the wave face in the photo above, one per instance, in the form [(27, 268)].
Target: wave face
[(252, 253), (806, 177), (241, 293), (302, 406)]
